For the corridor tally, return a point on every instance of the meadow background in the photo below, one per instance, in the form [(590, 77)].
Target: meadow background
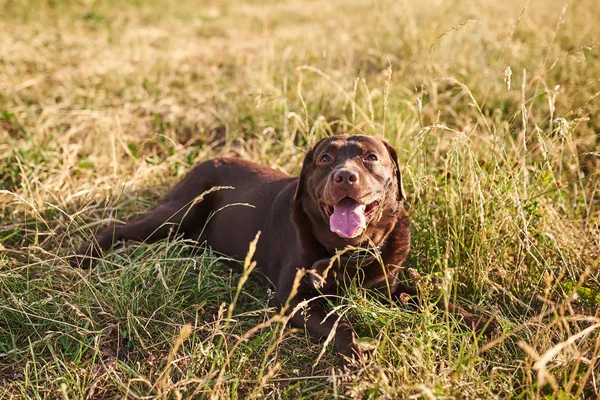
[(492, 106)]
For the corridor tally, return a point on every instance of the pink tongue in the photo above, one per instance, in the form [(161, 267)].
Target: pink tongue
[(348, 219)]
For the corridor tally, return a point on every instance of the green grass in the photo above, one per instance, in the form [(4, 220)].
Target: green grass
[(104, 105)]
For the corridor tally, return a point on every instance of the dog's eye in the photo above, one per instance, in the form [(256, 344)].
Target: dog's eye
[(325, 159), (371, 158)]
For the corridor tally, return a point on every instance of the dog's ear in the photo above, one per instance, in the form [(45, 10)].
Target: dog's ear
[(394, 156), (305, 164), (308, 158)]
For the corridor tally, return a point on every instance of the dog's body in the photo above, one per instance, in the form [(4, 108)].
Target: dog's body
[(349, 193)]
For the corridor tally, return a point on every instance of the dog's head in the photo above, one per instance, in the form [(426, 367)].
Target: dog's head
[(351, 189)]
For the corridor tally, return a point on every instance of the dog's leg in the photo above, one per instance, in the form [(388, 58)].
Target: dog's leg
[(469, 320), (158, 224), (309, 313), (399, 292), (319, 321), (182, 211)]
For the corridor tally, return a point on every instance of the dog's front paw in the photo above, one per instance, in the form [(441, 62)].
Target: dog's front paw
[(350, 356), (346, 346)]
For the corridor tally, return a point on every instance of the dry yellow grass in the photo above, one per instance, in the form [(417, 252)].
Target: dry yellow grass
[(105, 104)]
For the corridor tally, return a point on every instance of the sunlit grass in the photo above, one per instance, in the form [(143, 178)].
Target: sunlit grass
[(104, 105)]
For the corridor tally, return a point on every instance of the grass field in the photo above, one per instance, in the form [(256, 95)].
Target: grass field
[(494, 108)]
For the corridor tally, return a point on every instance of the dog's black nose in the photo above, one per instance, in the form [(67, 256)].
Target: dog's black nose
[(345, 177)]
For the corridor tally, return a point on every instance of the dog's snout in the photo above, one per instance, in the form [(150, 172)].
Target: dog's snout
[(345, 177)]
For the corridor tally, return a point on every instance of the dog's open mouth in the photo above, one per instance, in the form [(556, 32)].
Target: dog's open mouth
[(348, 218)]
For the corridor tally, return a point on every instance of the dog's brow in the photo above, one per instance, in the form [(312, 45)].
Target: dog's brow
[(335, 144), (359, 139), (364, 142)]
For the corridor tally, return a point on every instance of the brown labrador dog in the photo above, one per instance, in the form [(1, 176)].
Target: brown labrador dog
[(349, 193)]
